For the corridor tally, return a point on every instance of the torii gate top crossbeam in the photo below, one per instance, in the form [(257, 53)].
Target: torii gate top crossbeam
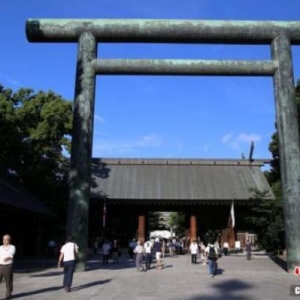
[(162, 31)]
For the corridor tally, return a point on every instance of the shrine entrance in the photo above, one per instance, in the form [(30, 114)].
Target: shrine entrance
[(280, 36), (204, 190)]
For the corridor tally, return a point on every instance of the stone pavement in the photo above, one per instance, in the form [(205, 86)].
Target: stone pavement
[(239, 279)]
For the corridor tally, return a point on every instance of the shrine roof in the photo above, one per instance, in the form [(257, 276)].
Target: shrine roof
[(178, 179)]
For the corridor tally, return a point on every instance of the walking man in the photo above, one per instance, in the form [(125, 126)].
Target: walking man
[(139, 252), (226, 248), (158, 250), (194, 251), (148, 253), (68, 254), (105, 252), (248, 249), (212, 257), (7, 252)]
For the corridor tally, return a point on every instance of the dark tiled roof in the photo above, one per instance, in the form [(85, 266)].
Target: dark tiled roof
[(177, 179), (15, 195)]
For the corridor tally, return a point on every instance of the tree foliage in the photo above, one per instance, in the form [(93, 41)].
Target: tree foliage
[(156, 221), (177, 222), (35, 129), (266, 219)]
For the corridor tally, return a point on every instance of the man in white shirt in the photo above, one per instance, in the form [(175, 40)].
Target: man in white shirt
[(226, 248), (148, 253), (68, 255), (7, 252), (194, 251)]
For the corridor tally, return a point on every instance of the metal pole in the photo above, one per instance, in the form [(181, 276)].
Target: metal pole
[(289, 148), (78, 206)]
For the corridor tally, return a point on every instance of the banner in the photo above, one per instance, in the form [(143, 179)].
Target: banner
[(104, 214), (232, 214)]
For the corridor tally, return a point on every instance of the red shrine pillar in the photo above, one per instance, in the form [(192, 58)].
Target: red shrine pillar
[(142, 228), (193, 228)]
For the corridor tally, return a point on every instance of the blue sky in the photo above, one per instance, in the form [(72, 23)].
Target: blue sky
[(140, 116)]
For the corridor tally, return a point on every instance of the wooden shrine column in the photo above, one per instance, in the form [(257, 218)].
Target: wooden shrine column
[(231, 237), (193, 227), (141, 227)]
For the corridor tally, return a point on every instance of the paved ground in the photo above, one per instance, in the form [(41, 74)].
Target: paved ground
[(239, 279)]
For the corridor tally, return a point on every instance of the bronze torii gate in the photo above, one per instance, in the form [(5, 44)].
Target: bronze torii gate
[(87, 33)]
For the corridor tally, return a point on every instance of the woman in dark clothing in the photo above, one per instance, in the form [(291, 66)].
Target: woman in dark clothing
[(115, 251)]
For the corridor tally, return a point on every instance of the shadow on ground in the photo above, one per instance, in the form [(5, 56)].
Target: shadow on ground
[(232, 289), (56, 288), (96, 264), (279, 261), (87, 285), (48, 274)]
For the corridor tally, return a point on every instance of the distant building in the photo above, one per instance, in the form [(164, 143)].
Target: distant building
[(204, 189)]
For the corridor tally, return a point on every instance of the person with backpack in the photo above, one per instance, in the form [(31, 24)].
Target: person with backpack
[(212, 257)]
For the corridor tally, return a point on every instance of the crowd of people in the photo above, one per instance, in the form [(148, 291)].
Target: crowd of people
[(143, 253)]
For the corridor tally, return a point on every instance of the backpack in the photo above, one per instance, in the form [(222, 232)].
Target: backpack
[(212, 255)]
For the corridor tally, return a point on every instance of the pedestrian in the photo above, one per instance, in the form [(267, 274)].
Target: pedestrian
[(105, 252), (148, 254), (170, 247), (139, 252), (202, 253), (7, 253), (248, 250), (163, 248), (212, 257), (115, 251), (226, 248), (131, 246), (52, 247), (67, 259), (158, 250), (96, 246), (194, 249)]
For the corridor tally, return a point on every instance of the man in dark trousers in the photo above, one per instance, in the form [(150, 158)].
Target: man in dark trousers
[(7, 252), (157, 247)]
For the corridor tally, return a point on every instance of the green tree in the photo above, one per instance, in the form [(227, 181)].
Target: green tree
[(177, 222), (155, 220), (35, 129), (266, 219)]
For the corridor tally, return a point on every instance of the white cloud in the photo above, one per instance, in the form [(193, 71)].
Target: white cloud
[(99, 119), (248, 138), (150, 140), (104, 147), (236, 142), (226, 138)]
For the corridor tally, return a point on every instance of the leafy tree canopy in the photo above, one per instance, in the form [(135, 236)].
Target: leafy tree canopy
[(35, 129)]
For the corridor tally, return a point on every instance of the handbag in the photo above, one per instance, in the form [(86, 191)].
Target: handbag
[(75, 255)]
